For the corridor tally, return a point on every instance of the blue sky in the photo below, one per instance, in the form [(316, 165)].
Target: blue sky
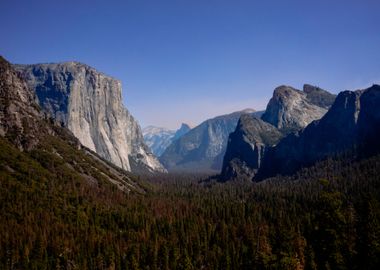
[(188, 60)]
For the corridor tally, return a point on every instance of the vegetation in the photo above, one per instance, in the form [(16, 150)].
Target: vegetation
[(52, 217)]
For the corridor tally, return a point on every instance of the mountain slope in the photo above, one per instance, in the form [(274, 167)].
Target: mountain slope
[(203, 147), (89, 103), (351, 125), (18, 111), (34, 147), (158, 139)]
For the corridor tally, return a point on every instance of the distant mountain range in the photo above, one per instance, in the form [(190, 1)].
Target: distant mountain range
[(203, 147), (82, 108), (158, 139)]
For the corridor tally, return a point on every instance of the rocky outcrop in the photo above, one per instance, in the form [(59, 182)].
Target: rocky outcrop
[(158, 139), (351, 125), (291, 110), (203, 147), (89, 103), (318, 96), (247, 146), (18, 112)]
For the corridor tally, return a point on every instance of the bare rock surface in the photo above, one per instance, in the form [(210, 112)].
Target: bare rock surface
[(291, 110), (89, 104), (247, 146)]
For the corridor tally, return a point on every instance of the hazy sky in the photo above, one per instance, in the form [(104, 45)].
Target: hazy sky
[(188, 60)]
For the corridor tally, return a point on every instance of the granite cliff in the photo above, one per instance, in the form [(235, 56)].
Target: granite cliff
[(89, 104), (247, 146), (291, 110), (36, 147)]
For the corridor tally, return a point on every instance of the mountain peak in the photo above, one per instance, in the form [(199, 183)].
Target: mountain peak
[(248, 110), (181, 131), (285, 90), (185, 126), (291, 109)]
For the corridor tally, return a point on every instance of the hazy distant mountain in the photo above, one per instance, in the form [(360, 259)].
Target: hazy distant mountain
[(89, 103), (158, 139), (290, 109), (203, 147), (181, 131)]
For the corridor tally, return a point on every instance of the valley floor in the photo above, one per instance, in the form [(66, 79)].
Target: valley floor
[(325, 217)]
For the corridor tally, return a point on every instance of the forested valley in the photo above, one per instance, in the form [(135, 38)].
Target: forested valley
[(324, 217)]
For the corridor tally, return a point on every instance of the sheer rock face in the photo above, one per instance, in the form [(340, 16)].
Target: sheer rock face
[(203, 147), (18, 112), (291, 110), (247, 146), (158, 139), (351, 124), (89, 104)]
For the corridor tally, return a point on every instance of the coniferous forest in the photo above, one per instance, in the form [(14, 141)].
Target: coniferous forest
[(324, 217)]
